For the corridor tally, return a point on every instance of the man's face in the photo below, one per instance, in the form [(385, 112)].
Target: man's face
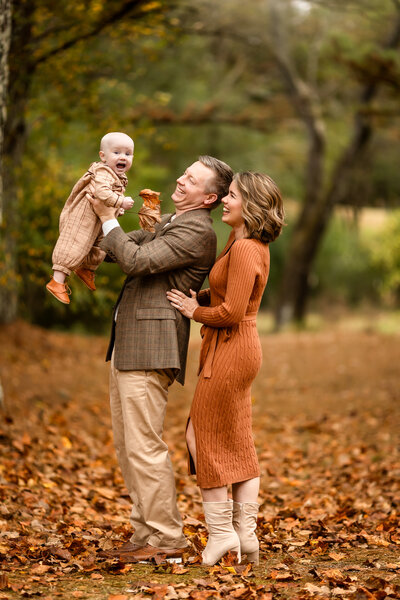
[(190, 192)]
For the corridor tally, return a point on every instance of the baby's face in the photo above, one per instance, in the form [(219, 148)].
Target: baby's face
[(118, 153)]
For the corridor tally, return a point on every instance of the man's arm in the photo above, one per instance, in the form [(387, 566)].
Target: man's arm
[(180, 246), (106, 215)]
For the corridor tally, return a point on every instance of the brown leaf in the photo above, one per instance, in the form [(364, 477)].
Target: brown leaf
[(105, 492), (202, 582), (337, 555), (40, 569), (59, 552), (159, 591), (333, 574), (316, 589), (245, 570), (178, 569)]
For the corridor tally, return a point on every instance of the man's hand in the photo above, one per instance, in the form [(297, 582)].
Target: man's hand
[(105, 213)]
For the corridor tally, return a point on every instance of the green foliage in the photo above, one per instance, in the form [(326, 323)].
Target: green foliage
[(185, 59), (386, 258), (344, 270)]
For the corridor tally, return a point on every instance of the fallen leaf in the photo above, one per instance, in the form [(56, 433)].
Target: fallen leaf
[(337, 555)]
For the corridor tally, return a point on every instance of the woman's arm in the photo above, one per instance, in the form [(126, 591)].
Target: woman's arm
[(204, 297), (244, 266)]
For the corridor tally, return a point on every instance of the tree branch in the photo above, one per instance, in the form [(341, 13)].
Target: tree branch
[(107, 20), (306, 104), (362, 133), (207, 115)]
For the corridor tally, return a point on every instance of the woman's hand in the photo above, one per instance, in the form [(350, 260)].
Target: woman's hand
[(105, 213), (183, 303)]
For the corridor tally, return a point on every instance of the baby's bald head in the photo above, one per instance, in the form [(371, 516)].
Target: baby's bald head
[(115, 137)]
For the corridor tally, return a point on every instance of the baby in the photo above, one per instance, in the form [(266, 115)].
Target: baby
[(80, 229)]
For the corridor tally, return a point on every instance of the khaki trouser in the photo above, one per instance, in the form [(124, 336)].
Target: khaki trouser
[(138, 403)]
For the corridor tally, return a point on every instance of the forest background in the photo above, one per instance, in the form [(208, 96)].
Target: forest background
[(307, 92)]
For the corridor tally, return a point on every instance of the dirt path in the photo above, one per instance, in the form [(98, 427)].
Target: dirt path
[(326, 423)]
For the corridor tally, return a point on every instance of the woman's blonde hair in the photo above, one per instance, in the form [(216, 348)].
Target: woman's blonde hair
[(262, 206)]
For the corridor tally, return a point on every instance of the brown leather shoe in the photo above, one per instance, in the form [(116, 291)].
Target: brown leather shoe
[(148, 553), (127, 547), (59, 290), (87, 277)]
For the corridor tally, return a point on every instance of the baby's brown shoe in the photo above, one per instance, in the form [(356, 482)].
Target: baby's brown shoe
[(87, 277), (59, 290)]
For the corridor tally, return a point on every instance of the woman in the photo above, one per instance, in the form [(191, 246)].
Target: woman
[(219, 432)]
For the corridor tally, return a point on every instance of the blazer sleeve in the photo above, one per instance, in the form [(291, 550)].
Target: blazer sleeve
[(176, 248), (244, 267)]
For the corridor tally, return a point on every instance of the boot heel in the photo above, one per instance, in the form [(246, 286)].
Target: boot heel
[(222, 537), (253, 557)]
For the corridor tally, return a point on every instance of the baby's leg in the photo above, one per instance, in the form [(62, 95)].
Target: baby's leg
[(59, 276)]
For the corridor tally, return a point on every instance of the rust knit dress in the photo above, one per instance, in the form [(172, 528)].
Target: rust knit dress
[(230, 358)]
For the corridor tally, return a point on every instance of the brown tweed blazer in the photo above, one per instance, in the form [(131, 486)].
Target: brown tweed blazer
[(149, 333)]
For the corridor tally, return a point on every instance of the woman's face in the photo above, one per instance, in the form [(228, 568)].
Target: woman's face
[(232, 207)]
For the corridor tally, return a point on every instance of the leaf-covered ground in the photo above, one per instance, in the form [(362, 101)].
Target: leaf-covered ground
[(326, 422)]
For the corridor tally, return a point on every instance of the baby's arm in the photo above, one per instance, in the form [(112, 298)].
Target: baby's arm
[(102, 190), (127, 203)]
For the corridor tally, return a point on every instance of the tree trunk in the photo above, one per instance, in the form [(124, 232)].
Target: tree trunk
[(5, 264), (13, 147), (311, 227), (306, 238), (5, 40)]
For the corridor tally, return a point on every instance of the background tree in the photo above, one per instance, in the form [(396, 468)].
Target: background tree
[(319, 199), (5, 40), (291, 59), (42, 30), (275, 87)]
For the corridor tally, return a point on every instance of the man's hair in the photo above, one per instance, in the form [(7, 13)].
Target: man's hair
[(222, 179)]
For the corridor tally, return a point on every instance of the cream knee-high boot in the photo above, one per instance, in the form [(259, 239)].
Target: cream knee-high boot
[(245, 523), (221, 535)]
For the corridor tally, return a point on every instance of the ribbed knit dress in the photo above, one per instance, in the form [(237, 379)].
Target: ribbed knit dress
[(230, 358)]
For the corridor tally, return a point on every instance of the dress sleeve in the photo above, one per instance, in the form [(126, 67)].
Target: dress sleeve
[(244, 267), (102, 184)]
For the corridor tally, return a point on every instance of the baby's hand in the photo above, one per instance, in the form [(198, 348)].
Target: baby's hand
[(121, 212), (127, 203)]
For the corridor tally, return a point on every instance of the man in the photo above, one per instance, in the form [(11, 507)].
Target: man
[(148, 347)]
